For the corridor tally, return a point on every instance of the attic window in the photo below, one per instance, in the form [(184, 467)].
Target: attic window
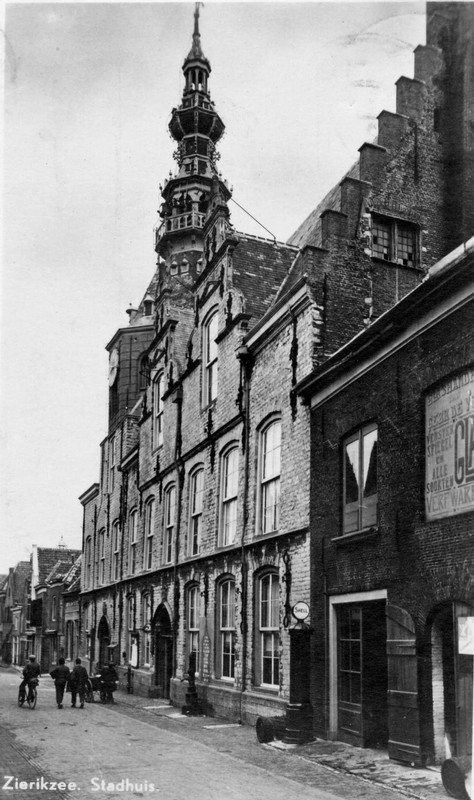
[(147, 307), (394, 240)]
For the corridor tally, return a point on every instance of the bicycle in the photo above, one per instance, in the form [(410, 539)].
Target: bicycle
[(31, 696)]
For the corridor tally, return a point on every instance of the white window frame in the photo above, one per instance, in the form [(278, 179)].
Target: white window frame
[(364, 519), (169, 523), (149, 533), (193, 598), (229, 496), (132, 539), (270, 471), (210, 358), (196, 495), (269, 630), (226, 627), (158, 410), (102, 556), (116, 550)]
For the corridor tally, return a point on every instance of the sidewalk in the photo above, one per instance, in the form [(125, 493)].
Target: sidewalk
[(366, 764)]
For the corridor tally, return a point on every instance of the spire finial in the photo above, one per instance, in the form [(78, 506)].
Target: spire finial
[(196, 19)]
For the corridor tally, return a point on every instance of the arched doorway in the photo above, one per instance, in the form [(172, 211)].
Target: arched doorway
[(163, 651), (103, 635), (451, 678)]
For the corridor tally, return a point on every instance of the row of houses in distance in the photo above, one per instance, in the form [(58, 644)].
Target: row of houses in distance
[(39, 607)]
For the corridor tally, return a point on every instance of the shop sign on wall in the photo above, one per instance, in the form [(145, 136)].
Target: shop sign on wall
[(449, 447)]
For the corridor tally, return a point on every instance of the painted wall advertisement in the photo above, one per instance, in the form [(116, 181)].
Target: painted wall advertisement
[(449, 447)]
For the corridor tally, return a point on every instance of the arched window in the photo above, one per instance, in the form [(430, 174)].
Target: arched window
[(116, 550), (195, 510), (158, 411), (149, 532), (192, 623), (170, 508), (143, 372), (270, 446), (267, 643), (132, 538), (225, 667), (209, 347), (229, 492)]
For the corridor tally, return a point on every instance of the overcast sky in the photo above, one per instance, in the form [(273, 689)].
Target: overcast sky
[(88, 93)]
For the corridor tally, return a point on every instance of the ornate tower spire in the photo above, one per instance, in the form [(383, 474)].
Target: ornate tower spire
[(187, 195)]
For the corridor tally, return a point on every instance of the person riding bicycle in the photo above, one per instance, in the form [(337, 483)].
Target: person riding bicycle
[(31, 671)]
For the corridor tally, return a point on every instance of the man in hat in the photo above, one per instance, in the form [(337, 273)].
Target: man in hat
[(60, 675), (108, 679), (31, 671), (78, 683)]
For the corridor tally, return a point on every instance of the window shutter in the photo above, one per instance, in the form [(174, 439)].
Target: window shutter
[(403, 712)]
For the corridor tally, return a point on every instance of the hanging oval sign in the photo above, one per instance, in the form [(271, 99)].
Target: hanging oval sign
[(300, 610), (147, 628)]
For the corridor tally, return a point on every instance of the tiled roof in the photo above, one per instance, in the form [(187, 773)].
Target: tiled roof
[(48, 557), (259, 267), (309, 232)]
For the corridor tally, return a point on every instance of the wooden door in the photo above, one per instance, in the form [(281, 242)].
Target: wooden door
[(402, 694)]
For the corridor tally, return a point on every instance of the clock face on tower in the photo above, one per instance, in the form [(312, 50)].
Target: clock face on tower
[(113, 366)]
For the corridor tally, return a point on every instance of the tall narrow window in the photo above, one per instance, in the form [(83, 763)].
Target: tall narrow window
[(149, 531), (360, 480), (112, 459), (269, 638), (102, 556), (170, 503), (195, 521), (192, 619), (116, 551), (270, 477), (226, 665), (229, 491), (158, 411), (54, 608), (88, 560), (210, 359), (132, 537)]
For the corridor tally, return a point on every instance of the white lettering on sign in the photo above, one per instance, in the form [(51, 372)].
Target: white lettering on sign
[(449, 447)]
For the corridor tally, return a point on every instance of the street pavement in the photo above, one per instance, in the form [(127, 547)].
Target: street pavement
[(141, 747)]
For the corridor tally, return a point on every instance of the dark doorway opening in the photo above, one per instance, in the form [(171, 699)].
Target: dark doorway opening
[(103, 635), (163, 651)]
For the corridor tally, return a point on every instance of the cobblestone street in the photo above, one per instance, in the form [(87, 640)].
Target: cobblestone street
[(140, 747)]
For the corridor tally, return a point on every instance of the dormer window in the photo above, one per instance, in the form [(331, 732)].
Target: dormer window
[(147, 307), (395, 240)]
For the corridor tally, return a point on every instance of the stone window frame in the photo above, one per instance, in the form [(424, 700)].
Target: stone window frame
[(158, 409), (169, 523), (228, 502), (195, 512), (149, 532), (225, 632), (268, 481), (193, 639), (264, 631), (210, 357), (132, 540)]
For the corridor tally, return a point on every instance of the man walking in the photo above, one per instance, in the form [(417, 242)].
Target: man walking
[(78, 683), (60, 675), (31, 670)]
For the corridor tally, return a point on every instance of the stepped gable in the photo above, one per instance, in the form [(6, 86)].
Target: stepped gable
[(259, 268), (310, 230), (48, 558), (21, 575)]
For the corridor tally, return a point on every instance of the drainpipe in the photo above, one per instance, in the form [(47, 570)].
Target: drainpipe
[(179, 465), (244, 401)]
